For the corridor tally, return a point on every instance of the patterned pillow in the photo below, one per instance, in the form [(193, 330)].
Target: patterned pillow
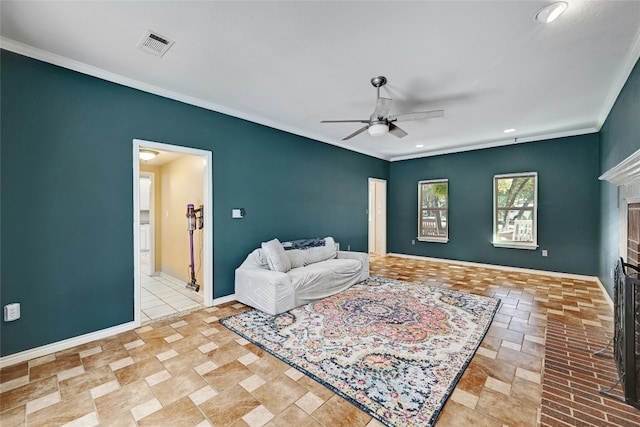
[(320, 253), (276, 256), (303, 244)]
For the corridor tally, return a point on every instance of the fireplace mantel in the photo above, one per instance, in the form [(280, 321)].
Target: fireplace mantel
[(624, 173)]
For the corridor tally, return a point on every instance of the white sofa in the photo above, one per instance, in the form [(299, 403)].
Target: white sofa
[(274, 280)]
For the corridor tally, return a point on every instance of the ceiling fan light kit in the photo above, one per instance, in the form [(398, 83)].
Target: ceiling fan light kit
[(380, 122), (378, 129)]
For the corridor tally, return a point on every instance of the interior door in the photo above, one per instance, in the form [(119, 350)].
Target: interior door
[(377, 216)]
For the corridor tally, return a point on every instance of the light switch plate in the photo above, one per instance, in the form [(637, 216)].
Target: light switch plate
[(237, 213), (12, 312)]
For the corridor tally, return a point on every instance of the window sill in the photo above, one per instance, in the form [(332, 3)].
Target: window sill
[(528, 246), (433, 239)]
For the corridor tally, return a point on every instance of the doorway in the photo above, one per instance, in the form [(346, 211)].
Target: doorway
[(377, 216), (177, 176), (147, 223)]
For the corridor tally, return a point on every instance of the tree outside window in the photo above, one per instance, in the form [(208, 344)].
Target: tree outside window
[(433, 209), (515, 204)]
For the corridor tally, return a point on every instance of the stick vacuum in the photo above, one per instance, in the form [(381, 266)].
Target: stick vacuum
[(194, 220)]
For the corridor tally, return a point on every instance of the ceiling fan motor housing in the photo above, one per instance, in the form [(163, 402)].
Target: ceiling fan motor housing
[(380, 122), (379, 81)]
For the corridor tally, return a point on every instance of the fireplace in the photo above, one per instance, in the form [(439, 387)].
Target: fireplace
[(626, 338)]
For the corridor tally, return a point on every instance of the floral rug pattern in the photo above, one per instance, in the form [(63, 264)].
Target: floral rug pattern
[(392, 348)]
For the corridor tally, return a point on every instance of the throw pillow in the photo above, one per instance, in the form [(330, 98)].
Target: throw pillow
[(276, 256), (321, 253)]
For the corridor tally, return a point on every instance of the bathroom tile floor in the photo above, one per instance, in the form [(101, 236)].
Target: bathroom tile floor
[(162, 296), (191, 371)]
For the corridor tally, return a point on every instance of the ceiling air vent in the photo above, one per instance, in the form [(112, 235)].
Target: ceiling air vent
[(155, 44)]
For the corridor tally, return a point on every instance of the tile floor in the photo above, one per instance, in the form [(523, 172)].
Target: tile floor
[(162, 296), (191, 371)]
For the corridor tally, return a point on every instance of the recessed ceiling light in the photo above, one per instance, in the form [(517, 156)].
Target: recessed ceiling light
[(550, 12), (509, 130), (419, 145)]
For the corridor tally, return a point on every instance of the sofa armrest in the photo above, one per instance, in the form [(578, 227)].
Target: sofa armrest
[(362, 257), (266, 290)]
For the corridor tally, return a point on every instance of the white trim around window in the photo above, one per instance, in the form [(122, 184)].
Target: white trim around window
[(433, 214), (515, 219)]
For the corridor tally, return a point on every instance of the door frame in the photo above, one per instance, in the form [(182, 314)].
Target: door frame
[(207, 185), (379, 231), (152, 219)]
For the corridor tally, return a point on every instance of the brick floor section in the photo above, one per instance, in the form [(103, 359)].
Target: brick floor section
[(573, 376)]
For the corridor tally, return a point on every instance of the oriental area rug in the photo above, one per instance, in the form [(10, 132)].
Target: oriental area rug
[(394, 349)]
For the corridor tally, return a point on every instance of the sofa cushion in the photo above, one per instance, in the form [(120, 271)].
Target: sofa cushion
[(295, 258), (320, 253), (276, 256), (324, 278)]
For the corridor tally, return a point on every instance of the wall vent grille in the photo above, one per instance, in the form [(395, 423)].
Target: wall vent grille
[(155, 44)]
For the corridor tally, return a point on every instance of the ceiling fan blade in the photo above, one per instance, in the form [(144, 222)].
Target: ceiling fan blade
[(416, 116), (359, 131), (383, 106), (345, 121), (396, 131)]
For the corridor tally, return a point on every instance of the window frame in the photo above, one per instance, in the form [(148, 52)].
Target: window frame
[(534, 212), (432, 239)]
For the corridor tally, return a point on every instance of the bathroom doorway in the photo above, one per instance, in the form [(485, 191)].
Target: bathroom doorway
[(169, 179), (147, 223)]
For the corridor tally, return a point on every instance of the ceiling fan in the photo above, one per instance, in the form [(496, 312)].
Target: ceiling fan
[(380, 122)]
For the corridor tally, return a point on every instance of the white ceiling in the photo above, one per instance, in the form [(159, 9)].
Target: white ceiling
[(162, 158), (290, 65)]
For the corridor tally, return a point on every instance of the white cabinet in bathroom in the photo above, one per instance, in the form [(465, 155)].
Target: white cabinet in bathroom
[(145, 193), (145, 237)]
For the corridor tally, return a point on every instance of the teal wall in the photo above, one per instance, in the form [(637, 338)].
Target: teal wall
[(67, 198), (567, 204), (619, 138)]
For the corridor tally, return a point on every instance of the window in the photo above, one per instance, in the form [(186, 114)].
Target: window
[(515, 201), (433, 210)]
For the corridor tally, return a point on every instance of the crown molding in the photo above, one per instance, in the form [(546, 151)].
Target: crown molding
[(621, 79), (64, 62), (498, 143), (90, 70)]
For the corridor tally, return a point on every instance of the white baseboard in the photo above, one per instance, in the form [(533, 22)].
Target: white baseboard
[(501, 267), (224, 299), (170, 278), (516, 269), (12, 359), (604, 292), (33, 353)]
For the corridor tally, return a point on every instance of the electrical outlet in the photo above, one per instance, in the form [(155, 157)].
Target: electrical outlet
[(544, 252), (413, 242), (348, 247), (12, 312)]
